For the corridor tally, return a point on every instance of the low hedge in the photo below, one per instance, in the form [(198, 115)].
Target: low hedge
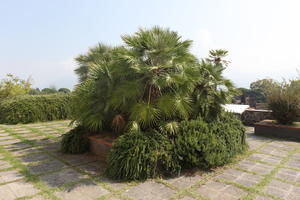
[(35, 108), (197, 144)]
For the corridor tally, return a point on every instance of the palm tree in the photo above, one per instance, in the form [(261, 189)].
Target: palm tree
[(94, 57), (152, 82)]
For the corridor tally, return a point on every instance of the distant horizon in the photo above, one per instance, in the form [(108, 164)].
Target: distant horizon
[(41, 39)]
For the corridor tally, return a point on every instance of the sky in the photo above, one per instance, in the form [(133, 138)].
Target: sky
[(41, 38)]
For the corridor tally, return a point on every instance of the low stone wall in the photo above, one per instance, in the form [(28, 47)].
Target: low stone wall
[(266, 128), (251, 116)]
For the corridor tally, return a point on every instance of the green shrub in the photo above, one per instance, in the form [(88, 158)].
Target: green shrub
[(35, 108), (284, 101), (200, 144), (138, 156), (75, 141), (206, 145)]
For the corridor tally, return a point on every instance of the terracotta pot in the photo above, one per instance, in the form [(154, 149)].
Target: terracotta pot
[(100, 145)]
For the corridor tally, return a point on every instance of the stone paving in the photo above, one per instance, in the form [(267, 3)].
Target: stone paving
[(31, 167)]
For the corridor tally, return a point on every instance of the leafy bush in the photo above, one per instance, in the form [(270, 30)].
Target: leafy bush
[(75, 141), (198, 143), (35, 108), (206, 145), (13, 86), (284, 100)]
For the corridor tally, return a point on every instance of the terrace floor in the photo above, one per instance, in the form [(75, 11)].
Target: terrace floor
[(32, 168)]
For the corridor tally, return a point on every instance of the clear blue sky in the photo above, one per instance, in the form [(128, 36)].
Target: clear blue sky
[(40, 38)]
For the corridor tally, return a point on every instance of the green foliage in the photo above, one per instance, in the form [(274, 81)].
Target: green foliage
[(13, 86), (95, 56), (136, 156), (259, 89), (64, 90), (34, 108), (49, 90), (75, 141), (35, 91), (257, 92), (197, 143), (206, 145), (284, 100), (152, 79)]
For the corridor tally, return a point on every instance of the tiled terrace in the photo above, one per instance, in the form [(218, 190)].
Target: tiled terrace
[(32, 168)]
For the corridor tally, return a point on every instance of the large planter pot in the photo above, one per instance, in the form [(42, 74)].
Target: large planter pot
[(101, 144), (268, 128)]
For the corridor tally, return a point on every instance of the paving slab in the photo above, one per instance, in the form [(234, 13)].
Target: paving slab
[(184, 181), (216, 191), (288, 174), (187, 198), (65, 176), (38, 197), (78, 159), (240, 177), (265, 158), (149, 190), (8, 176), (13, 147), (35, 157), (6, 193), (4, 165), (269, 149), (114, 185), (52, 165), (7, 138), (86, 190), (93, 168), (262, 198), (22, 188), (4, 134), (294, 164), (9, 142), (280, 189)]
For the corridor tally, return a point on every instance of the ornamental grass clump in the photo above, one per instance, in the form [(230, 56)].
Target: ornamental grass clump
[(137, 156)]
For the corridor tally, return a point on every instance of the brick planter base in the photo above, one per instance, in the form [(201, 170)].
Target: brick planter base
[(100, 145), (267, 128)]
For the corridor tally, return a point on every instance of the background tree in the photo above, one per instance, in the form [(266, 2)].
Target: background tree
[(259, 89), (35, 91), (50, 90), (13, 86), (64, 90)]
